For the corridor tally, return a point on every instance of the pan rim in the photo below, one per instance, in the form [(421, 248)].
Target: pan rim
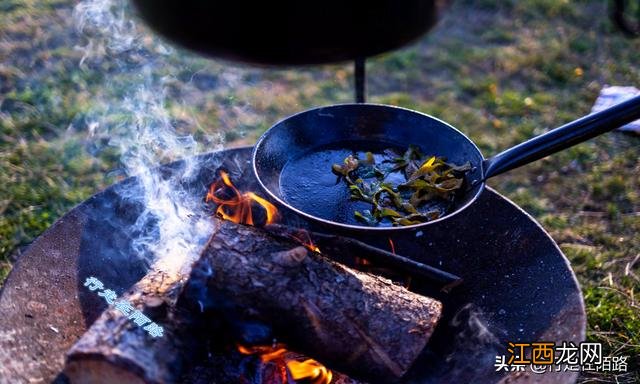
[(360, 228)]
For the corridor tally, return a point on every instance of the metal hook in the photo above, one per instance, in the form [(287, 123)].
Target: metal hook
[(360, 79)]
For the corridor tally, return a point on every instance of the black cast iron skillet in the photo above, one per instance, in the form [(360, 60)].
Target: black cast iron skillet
[(292, 160)]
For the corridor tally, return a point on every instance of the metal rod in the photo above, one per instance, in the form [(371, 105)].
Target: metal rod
[(563, 137), (360, 79), (391, 260), (338, 244)]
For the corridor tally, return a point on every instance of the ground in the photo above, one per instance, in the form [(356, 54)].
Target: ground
[(500, 71)]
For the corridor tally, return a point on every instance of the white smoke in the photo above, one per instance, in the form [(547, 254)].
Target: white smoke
[(134, 119), (108, 27)]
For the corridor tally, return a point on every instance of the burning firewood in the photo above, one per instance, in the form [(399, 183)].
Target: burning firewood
[(364, 325), (361, 324), (114, 350)]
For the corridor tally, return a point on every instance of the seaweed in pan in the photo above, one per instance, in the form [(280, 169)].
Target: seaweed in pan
[(405, 189)]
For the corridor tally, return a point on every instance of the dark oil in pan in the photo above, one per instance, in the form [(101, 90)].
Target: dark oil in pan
[(308, 183)]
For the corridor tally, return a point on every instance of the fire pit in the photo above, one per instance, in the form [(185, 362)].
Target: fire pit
[(517, 284)]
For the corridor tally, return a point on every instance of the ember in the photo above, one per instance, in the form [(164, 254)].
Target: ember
[(308, 370), (236, 206), (305, 240)]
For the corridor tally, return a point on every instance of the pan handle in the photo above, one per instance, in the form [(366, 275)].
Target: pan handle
[(563, 137)]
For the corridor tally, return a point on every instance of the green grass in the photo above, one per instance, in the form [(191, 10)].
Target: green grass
[(501, 71)]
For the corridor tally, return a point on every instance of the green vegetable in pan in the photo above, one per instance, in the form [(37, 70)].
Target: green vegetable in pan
[(403, 189)]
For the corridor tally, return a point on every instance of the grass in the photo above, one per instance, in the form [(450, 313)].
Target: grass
[(501, 71)]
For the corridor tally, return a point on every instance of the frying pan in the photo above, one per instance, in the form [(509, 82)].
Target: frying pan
[(292, 160)]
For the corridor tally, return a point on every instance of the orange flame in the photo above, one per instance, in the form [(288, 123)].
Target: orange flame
[(305, 240), (309, 369), (237, 208)]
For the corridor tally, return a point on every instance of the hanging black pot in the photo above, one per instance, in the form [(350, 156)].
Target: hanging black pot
[(290, 32)]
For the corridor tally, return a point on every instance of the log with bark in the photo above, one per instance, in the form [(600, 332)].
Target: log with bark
[(361, 324), (116, 350)]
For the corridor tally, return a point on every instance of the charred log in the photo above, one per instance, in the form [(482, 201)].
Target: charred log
[(361, 324)]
